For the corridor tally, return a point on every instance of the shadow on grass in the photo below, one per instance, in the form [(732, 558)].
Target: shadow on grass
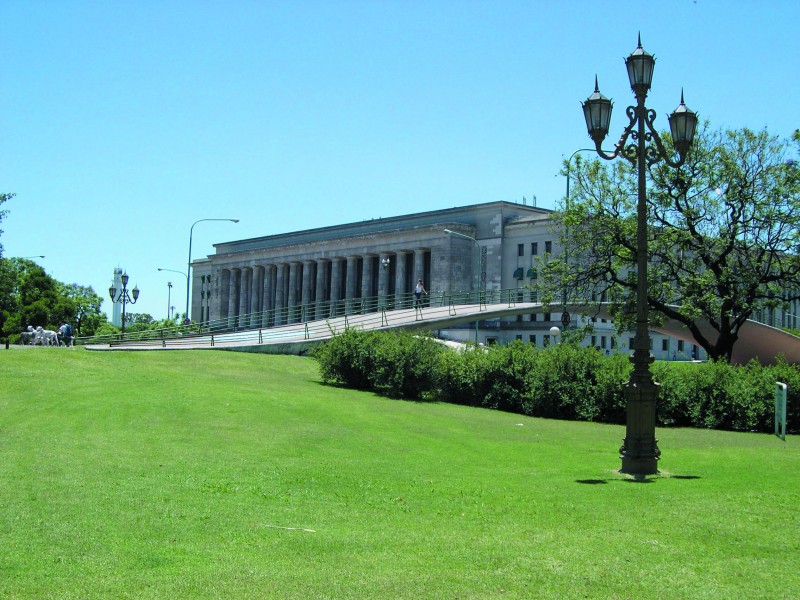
[(634, 479)]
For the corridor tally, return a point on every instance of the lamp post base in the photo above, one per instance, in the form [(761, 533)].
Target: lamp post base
[(639, 451)]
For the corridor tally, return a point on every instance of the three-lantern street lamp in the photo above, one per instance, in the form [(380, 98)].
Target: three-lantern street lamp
[(639, 451), (122, 297)]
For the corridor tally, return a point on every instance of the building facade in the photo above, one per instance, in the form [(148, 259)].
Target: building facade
[(302, 275)]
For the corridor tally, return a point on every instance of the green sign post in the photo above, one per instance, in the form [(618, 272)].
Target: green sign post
[(780, 410)]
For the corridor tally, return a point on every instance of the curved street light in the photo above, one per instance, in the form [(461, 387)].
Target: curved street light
[(174, 271), (639, 451), (189, 265)]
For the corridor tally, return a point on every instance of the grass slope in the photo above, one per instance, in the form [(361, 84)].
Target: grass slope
[(198, 474)]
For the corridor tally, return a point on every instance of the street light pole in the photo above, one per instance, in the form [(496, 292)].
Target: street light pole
[(189, 264), (639, 451), (123, 297), (169, 297), (187, 285), (480, 264)]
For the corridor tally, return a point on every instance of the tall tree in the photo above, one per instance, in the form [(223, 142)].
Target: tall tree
[(724, 235), (87, 316), (4, 197)]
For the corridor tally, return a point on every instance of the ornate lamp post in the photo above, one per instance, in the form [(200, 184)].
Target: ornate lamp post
[(639, 451), (189, 267), (123, 297)]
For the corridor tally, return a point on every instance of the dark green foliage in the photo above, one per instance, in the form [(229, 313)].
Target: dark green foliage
[(395, 364), (348, 359), (721, 396), (565, 381)]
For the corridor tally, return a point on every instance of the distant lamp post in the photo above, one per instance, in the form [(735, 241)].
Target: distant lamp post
[(122, 297), (639, 451), (480, 263), (180, 273), (555, 332), (169, 297), (189, 266), (385, 262)]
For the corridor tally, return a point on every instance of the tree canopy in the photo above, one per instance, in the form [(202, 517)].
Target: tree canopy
[(724, 235), (29, 296), (4, 197)]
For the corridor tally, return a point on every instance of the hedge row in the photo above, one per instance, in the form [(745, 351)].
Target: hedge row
[(564, 381)]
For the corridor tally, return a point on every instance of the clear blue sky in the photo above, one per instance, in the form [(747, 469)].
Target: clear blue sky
[(124, 122)]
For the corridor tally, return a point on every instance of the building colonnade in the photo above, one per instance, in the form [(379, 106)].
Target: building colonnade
[(269, 293)]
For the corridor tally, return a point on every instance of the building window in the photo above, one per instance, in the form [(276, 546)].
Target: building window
[(534, 248), (533, 317), (546, 340), (520, 249), (532, 339), (665, 344), (602, 341), (546, 316), (594, 341), (519, 337), (548, 247), (680, 345)]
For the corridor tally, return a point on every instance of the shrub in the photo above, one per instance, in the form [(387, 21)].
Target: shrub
[(392, 363), (564, 381), (348, 358)]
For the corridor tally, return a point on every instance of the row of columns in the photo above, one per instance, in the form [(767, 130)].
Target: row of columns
[(277, 294)]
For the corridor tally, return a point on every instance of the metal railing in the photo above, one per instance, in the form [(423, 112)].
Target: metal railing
[(315, 318)]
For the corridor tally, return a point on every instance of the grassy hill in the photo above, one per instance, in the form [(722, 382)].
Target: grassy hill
[(212, 474)]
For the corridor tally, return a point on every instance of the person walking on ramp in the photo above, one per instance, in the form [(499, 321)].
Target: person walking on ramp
[(418, 291)]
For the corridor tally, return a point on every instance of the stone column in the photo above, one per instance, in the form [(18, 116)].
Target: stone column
[(256, 296), (280, 298), (320, 295), (244, 296), (366, 280), (233, 297), (292, 301), (223, 295), (383, 278), (401, 294), (336, 284), (307, 292), (419, 267), (269, 295), (350, 283)]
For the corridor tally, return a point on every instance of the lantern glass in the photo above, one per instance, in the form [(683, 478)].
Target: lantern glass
[(112, 291), (640, 66), (124, 280), (682, 126), (135, 294), (597, 112)]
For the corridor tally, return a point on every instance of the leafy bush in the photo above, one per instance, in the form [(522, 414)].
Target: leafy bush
[(394, 363), (348, 358), (564, 381)]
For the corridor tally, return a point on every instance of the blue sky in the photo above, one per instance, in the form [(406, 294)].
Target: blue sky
[(125, 122)]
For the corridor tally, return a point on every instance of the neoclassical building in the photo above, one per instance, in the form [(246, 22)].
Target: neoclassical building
[(304, 275)]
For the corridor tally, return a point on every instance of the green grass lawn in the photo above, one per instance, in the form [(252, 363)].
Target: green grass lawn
[(231, 475)]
